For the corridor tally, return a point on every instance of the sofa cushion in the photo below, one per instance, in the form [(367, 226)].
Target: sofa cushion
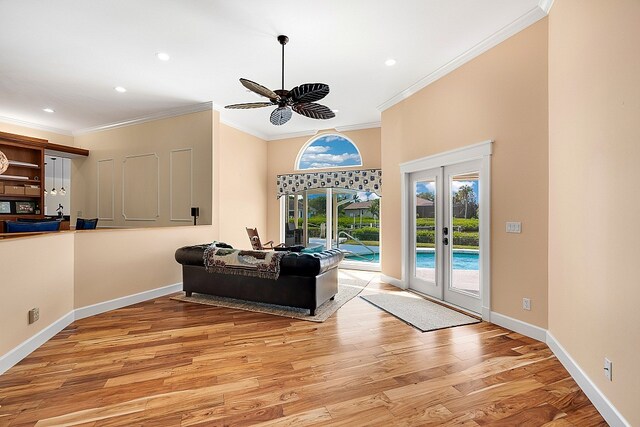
[(310, 265), (292, 264)]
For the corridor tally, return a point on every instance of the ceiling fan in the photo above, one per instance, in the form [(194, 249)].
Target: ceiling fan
[(300, 99)]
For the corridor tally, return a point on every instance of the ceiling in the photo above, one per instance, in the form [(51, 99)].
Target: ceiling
[(69, 55)]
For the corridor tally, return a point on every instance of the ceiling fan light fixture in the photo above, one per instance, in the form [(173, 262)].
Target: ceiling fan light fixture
[(280, 116), (300, 99)]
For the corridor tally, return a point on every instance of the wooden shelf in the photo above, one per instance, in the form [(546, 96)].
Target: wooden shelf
[(26, 161), (17, 196), (17, 164), (12, 179), (28, 216), (26, 181)]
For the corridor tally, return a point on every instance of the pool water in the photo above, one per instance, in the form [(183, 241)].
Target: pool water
[(461, 260)]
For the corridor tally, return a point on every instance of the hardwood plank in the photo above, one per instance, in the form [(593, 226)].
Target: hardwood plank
[(163, 362)]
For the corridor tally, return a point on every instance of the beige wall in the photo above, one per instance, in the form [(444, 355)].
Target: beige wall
[(111, 151), (111, 264), (282, 154), (36, 272), (53, 137), (594, 129), (78, 269), (243, 185), (501, 96)]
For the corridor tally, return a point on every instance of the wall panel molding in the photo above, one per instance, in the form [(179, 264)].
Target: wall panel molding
[(142, 170)]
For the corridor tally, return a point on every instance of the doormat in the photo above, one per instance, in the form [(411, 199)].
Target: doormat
[(418, 312)]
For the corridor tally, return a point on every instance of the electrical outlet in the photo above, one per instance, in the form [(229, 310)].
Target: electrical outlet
[(79, 214), (514, 227), (526, 304), (34, 315), (608, 366)]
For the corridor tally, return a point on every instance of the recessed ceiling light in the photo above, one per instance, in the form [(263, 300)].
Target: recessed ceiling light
[(336, 111), (390, 62), (162, 56), (48, 110), (120, 89)]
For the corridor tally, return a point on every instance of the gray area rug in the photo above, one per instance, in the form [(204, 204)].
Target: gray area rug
[(350, 284), (419, 312)]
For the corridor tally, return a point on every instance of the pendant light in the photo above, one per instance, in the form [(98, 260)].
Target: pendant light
[(63, 192), (53, 191)]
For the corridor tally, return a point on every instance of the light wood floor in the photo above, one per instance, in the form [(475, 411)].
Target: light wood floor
[(168, 363)]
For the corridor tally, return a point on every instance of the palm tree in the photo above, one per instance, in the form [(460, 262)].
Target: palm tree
[(465, 195)]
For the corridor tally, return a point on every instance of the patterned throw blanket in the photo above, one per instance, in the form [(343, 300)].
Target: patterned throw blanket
[(264, 264)]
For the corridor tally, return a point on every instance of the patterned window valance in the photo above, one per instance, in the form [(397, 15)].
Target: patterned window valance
[(369, 180)]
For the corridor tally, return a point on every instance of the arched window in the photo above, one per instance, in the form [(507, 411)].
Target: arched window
[(328, 151)]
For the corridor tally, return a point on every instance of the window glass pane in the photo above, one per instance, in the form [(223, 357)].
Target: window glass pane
[(330, 151)]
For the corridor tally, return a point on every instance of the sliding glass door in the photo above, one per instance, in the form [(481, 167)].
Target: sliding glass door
[(336, 218)]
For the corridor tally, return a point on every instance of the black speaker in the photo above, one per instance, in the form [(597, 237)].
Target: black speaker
[(195, 213)]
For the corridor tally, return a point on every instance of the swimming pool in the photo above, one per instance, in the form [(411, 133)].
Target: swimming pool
[(461, 260)]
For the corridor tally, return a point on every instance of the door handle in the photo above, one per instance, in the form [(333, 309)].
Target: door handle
[(445, 241), (445, 231)]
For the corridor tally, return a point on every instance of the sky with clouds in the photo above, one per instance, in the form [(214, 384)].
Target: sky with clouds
[(330, 151)]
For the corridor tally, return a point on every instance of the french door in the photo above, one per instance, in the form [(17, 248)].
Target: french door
[(444, 227)]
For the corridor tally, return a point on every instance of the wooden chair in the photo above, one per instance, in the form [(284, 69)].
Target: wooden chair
[(256, 244)]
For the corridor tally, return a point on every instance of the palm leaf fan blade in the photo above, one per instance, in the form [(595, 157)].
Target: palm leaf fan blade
[(314, 111), (259, 89), (249, 105), (309, 92)]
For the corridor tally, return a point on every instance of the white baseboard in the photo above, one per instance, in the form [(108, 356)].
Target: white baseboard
[(524, 328), (102, 307), (392, 281), (15, 355), (599, 400)]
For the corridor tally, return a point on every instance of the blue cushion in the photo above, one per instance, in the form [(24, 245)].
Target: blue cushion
[(26, 227)]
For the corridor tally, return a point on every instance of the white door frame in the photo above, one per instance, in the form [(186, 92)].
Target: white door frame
[(480, 151)]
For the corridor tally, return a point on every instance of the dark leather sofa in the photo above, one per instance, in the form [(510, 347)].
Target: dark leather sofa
[(305, 281)]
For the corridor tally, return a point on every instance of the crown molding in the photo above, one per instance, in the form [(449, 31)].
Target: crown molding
[(293, 135), (529, 18), (545, 5), (359, 126), (174, 112), (345, 128), (31, 125)]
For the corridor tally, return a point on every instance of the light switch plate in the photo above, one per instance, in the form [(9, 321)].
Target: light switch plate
[(514, 227), (608, 369)]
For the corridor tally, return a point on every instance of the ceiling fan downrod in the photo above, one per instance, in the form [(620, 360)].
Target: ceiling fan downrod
[(283, 41)]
